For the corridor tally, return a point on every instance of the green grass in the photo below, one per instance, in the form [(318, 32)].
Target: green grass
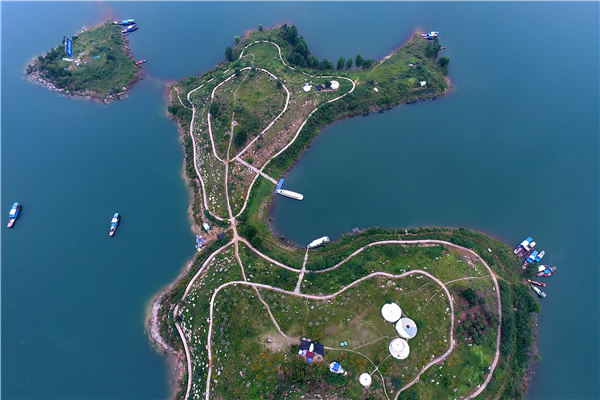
[(109, 73)]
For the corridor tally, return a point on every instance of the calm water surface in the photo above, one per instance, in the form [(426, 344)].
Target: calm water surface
[(512, 151)]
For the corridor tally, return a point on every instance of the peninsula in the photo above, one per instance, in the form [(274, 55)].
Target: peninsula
[(100, 66), (254, 317)]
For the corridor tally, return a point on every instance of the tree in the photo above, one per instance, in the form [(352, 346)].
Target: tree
[(229, 53), (340, 64), (214, 109), (239, 137), (444, 61), (312, 62), (260, 28), (349, 63), (359, 60), (279, 84), (237, 39), (397, 381), (367, 63), (325, 64), (470, 295)]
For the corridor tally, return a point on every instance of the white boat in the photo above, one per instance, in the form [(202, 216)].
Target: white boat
[(538, 291), (290, 194), (318, 242)]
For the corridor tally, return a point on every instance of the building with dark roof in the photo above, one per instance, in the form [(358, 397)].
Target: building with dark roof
[(311, 351)]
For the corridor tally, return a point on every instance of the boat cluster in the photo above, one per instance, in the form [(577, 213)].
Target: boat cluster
[(129, 25), (526, 249), (430, 35)]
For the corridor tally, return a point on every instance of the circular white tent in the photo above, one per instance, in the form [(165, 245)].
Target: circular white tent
[(365, 379), (335, 85), (406, 328), (306, 87), (399, 348), (391, 312)]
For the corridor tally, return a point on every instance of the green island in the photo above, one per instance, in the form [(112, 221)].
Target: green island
[(234, 320), (101, 68)]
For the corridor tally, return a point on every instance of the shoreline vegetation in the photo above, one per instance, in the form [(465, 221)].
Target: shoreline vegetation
[(211, 110), (102, 67)]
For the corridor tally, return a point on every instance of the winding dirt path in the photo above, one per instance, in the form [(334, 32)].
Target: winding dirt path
[(297, 291)]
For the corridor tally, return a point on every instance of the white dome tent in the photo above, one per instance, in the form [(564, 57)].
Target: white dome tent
[(406, 328), (365, 379), (399, 348), (391, 312)]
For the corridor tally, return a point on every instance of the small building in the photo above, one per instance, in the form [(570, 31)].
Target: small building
[(423, 83), (399, 348), (306, 87), (391, 312), (221, 235), (311, 351), (334, 85), (319, 87), (406, 328), (206, 227), (336, 368)]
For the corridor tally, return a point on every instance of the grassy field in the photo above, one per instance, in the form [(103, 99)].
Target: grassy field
[(246, 341), (100, 64)]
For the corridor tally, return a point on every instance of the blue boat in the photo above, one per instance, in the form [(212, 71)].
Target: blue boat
[(13, 214), (130, 28), (430, 35), (114, 223), (529, 260), (125, 22)]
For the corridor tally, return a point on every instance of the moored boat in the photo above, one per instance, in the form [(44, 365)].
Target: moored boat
[(430, 35), (13, 214), (539, 257), (529, 259), (522, 245), (546, 270), (536, 283), (125, 22), (114, 223), (130, 28), (318, 242), (140, 62), (538, 291), (527, 250), (290, 194)]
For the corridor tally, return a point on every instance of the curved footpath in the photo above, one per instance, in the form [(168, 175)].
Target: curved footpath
[(296, 292)]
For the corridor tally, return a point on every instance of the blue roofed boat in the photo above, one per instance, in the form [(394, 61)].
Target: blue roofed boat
[(13, 214), (529, 260), (523, 245), (130, 28), (430, 35), (114, 223), (125, 22)]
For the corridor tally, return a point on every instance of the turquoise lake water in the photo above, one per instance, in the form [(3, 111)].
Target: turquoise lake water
[(512, 151)]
